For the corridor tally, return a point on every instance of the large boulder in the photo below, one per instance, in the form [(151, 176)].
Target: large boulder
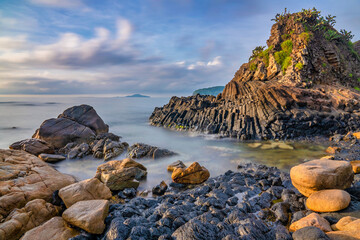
[(24, 177), (87, 116), (331, 200), (54, 229), (194, 174), (141, 150), (321, 174), (88, 215), (21, 220), (75, 124), (60, 131), (118, 175), (311, 220), (344, 235), (33, 146), (347, 224), (89, 189)]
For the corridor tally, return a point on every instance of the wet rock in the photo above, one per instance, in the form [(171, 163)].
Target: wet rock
[(314, 220), (33, 146), (51, 157), (317, 175), (194, 174), (117, 230), (24, 177), (332, 150), (344, 235), (281, 211), (310, 233), (118, 175), (33, 214), (113, 149), (328, 200), (54, 229), (177, 164), (88, 215), (141, 150), (89, 189), (129, 192), (355, 166), (160, 189), (79, 151), (195, 229)]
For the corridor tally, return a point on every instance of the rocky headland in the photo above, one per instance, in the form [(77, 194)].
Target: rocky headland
[(304, 83)]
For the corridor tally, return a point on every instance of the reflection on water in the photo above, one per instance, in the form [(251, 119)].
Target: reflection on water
[(128, 117)]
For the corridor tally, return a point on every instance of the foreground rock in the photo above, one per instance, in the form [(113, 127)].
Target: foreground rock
[(141, 150), (355, 166), (33, 146), (194, 174), (51, 157), (347, 224), (118, 175), (312, 220), (54, 229), (308, 94), (310, 233), (21, 220), (90, 189), (321, 174), (88, 215), (24, 177), (75, 124), (328, 200)]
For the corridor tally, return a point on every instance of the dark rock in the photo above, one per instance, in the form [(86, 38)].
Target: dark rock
[(281, 233), (141, 150), (160, 189), (129, 192), (139, 233), (195, 229), (33, 146), (310, 233), (281, 211)]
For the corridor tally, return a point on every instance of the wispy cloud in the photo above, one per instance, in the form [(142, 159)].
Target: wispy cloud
[(58, 3)]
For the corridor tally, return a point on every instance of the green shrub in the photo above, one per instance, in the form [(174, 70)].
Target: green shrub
[(285, 36), (287, 46), (286, 64), (253, 66), (358, 79), (324, 64), (352, 50), (299, 65), (331, 35), (356, 88), (305, 36), (264, 55), (255, 53), (350, 75)]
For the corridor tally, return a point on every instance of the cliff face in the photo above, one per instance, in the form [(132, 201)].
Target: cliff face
[(302, 84)]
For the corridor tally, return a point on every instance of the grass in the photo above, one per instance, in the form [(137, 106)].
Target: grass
[(350, 75), (253, 67), (299, 65), (285, 36), (352, 50), (331, 35), (324, 64), (283, 57), (305, 36), (357, 88), (358, 79)]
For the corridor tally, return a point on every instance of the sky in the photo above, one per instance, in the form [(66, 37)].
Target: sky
[(153, 47)]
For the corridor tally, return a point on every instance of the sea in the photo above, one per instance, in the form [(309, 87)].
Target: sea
[(127, 117)]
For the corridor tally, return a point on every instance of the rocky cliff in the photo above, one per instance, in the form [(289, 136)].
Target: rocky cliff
[(305, 83)]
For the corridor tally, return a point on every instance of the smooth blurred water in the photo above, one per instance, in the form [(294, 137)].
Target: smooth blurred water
[(128, 117)]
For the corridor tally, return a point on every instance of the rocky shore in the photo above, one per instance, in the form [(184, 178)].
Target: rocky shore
[(319, 199)]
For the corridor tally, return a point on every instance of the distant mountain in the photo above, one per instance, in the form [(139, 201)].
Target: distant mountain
[(138, 95), (209, 91)]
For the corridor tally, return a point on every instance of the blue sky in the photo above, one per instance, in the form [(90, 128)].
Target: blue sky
[(155, 47)]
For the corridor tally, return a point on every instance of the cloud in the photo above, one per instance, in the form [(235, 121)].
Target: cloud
[(72, 50), (58, 3), (215, 62)]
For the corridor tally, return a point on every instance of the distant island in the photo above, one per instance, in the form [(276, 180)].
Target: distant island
[(138, 95), (214, 91)]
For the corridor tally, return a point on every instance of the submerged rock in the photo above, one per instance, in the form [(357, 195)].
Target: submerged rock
[(194, 174), (33, 146), (51, 157), (322, 174), (328, 200), (88, 215), (141, 150), (118, 175)]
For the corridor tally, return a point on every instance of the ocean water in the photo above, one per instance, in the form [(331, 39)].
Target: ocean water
[(20, 116)]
